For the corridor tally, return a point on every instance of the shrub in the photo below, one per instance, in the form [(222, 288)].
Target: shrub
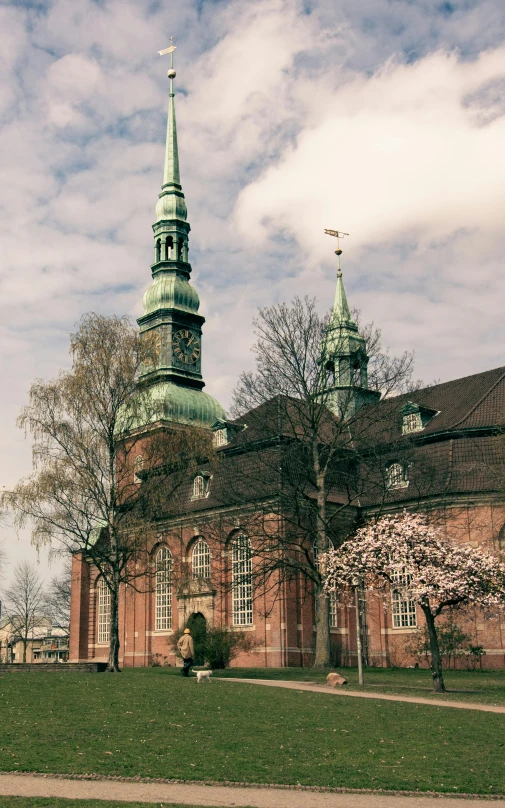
[(452, 640), (222, 645)]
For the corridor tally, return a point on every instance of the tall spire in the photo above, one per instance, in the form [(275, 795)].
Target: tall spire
[(171, 204), (171, 174), (171, 318)]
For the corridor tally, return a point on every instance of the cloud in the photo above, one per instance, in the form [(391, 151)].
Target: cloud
[(401, 154)]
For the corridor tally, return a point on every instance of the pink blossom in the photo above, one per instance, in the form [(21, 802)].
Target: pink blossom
[(407, 554)]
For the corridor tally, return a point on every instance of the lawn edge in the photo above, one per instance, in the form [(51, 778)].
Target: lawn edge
[(240, 784)]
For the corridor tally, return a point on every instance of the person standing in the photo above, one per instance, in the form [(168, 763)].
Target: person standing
[(187, 651)]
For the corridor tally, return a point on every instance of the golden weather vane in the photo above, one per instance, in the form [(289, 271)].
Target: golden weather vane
[(338, 234), (170, 50)]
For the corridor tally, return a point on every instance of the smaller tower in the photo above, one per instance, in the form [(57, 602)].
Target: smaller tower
[(343, 355)]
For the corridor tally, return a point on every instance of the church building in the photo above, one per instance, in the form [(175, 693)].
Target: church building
[(444, 451)]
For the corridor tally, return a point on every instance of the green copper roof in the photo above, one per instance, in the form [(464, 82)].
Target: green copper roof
[(171, 203), (342, 337), (183, 405), (171, 173), (170, 291), (341, 312)]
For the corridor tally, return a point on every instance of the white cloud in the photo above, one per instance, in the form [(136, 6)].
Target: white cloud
[(398, 154)]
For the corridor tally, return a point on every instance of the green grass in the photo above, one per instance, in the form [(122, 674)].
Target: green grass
[(485, 687), (151, 723), (54, 802)]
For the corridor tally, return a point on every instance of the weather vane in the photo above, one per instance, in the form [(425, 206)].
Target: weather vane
[(171, 73), (338, 234)]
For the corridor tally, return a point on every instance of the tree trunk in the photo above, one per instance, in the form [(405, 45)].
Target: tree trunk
[(322, 655), (113, 663), (436, 659), (25, 643)]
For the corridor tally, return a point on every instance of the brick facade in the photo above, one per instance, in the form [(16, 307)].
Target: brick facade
[(454, 472)]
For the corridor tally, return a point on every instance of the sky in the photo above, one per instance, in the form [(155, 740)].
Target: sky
[(381, 118)]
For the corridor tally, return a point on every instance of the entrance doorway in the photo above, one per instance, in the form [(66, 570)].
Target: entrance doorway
[(197, 624)]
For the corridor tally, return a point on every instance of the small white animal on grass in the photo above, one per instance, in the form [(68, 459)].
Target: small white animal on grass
[(203, 676)]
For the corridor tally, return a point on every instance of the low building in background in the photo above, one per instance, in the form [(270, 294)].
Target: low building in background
[(45, 643)]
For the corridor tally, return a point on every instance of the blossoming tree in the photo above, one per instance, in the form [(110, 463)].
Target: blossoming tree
[(405, 554)]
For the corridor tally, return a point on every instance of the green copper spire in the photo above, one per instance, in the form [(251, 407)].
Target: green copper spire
[(344, 358), (171, 174), (171, 203), (171, 318), (341, 312)]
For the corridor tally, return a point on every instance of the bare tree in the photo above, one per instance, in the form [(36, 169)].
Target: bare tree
[(320, 434), (101, 473), (25, 603), (57, 605)]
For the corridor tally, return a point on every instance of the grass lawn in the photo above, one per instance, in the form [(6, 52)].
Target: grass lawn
[(152, 723), (486, 687), (54, 802)]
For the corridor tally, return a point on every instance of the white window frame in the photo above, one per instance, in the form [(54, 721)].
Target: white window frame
[(242, 586), (403, 610), (333, 610), (220, 437), (396, 476), (163, 590), (103, 613), (200, 487), (200, 559), (412, 422)]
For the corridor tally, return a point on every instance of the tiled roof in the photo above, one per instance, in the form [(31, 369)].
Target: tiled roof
[(473, 401), (447, 459)]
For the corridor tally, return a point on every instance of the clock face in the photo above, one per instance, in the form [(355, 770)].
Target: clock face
[(186, 346)]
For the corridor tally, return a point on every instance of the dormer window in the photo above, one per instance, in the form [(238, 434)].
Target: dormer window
[(201, 486), (415, 417), (220, 437), (397, 476), (225, 431), (412, 422)]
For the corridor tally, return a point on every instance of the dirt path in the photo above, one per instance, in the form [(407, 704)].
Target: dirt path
[(27, 785), (461, 705)]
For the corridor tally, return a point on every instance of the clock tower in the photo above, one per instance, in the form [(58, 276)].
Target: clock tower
[(171, 318)]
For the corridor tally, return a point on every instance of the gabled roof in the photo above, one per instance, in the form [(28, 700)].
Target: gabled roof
[(467, 403)]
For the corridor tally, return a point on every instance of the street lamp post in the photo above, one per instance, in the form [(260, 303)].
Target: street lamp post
[(358, 636)]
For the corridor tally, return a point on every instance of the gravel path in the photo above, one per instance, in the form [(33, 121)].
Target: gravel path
[(26, 785), (462, 705)]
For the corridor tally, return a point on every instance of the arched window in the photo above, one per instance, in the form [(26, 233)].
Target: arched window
[(395, 475), (201, 559), (158, 250), (138, 465), (163, 619), (220, 437), (179, 250), (241, 574), (198, 487), (103, 610), (169, 245)]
